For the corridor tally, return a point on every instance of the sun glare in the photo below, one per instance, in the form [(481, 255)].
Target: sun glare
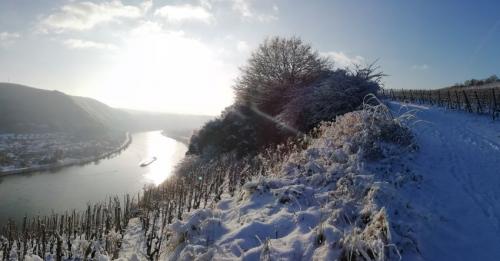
[(160, 71), (166, 151)]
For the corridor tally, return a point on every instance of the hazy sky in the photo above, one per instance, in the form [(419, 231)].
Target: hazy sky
[(183, 56)]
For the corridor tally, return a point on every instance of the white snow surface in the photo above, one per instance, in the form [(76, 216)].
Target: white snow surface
[(459, 197), (133, 245)]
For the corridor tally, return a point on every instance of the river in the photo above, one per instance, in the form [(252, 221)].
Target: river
[(40, 193)]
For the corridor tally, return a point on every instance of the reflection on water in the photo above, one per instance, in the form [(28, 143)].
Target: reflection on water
[(164, 150), (73, 187)]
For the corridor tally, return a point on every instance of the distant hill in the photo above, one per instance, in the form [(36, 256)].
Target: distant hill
[(25, 109), (103, 114)]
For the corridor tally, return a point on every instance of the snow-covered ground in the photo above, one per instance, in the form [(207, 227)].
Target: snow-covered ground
[(458, 200), (333, 200), (439, 202)]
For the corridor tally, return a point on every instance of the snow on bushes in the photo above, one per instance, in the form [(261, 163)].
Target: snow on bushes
[(330, 200), (334, 93)]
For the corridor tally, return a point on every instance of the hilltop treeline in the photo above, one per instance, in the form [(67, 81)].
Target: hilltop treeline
[(477, 82)]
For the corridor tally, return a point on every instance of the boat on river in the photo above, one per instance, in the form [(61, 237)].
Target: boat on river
[(147, 162)]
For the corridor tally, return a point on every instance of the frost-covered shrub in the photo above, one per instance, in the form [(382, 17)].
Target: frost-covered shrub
[(232, 131), (239, 129), (364, 131), (334, 93)]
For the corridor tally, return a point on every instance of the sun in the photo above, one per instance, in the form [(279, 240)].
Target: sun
[(162, 70)]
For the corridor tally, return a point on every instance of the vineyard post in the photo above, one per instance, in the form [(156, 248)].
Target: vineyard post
[(469, 108), (459, 105), (59, 247), (479, 107), (25, 236), (450, 104), (494, 103), (44, 241)]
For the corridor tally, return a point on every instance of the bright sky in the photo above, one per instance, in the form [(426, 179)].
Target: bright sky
[(183, 56)]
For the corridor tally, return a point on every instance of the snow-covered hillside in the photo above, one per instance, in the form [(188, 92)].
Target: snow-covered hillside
[(458, 200), (439, 202), (336, 199)]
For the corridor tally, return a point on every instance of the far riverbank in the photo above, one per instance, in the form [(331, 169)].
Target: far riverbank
[(70, 162)]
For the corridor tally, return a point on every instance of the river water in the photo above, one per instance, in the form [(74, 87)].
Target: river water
[(73, 187)]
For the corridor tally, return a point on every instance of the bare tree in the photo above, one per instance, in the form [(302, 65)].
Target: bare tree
[(276, 67)]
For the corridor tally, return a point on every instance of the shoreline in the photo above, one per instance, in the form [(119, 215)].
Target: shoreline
[(71, 162), (182, 139)]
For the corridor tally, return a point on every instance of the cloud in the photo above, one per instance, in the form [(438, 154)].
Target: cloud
[(177, 14), (206, 3), (81, 16), (342, 60), (275, 8), (246, 10), (420, 67), (7, 39), (242, 7), (243, 47), (83, 44), (146, 5)]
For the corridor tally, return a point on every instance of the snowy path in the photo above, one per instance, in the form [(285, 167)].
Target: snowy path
[(459, 200)]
